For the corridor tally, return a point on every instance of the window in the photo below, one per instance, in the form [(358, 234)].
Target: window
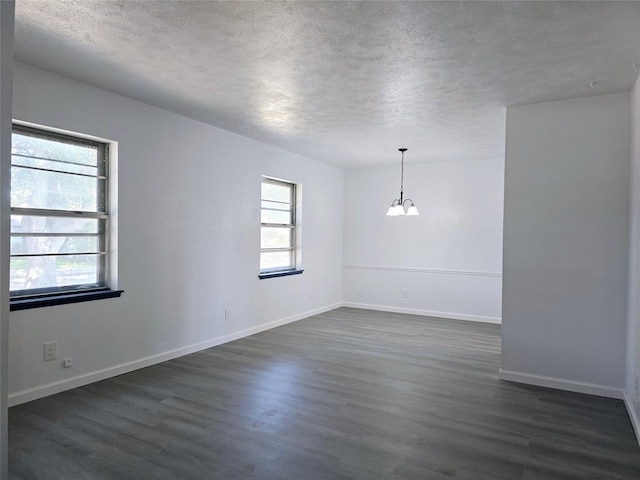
[(59, 214), (278, 228)]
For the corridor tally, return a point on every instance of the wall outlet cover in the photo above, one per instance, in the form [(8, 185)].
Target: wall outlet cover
[(50, 351)]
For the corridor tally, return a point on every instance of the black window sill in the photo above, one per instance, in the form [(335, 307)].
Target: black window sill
[(25, 303), (285, 273)]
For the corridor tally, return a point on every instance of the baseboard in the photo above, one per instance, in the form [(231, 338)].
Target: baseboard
[(635, 420), (91, 377), (561, 384), (424, 313)]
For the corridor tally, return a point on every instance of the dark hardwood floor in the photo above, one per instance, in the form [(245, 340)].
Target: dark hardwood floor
[(349, 394)]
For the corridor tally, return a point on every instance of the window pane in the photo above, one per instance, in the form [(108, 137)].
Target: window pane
[(276, 213), (53, 165), (53, 271), (285, 207), (38, 224), (274, 237), (276, 260), (276, 216), (277, 192), (38, 189), (48, 245), (55, 149)]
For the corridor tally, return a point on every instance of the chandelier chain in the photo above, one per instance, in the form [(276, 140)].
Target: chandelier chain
[(402, 177)]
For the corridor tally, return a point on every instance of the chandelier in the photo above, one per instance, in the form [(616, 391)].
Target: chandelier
[(397, 206)]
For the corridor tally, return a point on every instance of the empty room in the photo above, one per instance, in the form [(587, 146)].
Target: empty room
[(319, 240)]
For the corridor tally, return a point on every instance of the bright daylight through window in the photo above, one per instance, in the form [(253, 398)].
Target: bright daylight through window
[(278, 227), (59, 220)]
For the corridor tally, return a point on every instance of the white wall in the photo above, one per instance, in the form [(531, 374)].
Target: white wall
[(188, 220), (448, 259), (632, 397), (565, 244)]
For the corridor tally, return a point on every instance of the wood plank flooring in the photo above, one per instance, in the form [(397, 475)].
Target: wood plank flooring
[(349, 394)]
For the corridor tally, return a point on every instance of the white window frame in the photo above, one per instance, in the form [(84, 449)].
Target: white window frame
[(101, 214), (292, 226)]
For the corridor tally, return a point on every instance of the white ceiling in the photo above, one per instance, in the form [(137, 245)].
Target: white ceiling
[(343, 82)]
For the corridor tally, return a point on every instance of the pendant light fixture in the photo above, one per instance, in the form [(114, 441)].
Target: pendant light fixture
[(397, 206)]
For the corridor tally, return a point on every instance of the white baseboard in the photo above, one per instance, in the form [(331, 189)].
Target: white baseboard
[(635, 420), (425, 313), (91, 377), (561, 384)]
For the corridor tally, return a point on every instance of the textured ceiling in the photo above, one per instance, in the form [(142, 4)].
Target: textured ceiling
[(343, 82)]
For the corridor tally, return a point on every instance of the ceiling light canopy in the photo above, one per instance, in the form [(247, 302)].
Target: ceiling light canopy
[(397, 206)]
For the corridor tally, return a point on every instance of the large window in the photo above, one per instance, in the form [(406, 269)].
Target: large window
[(278, 228), (59, 213)]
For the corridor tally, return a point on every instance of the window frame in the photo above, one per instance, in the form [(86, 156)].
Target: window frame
[(56, 295), (293, 226)]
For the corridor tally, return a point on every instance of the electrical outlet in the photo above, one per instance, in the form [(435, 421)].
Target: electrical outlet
[(227, 313), (405, 293), (66, 363), (50, 351)]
